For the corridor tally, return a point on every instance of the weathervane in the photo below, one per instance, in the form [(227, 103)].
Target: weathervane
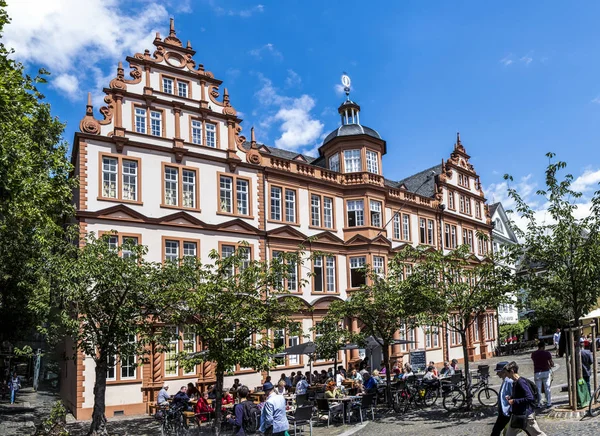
[(346, 83)]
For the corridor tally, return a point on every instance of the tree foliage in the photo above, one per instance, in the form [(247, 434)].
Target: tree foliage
[(105, 306), (518, 328), (560, 269), (35, 193), (459, 288), (234, 305)]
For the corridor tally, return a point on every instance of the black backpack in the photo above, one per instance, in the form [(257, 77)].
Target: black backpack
[(251, 419), (534, 391)]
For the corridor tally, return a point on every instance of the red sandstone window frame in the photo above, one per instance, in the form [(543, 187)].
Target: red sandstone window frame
[(148, 109), (120, 159), (234, 205), (180, 241), (324, 267), (322, 197), (176, 81), (180, 168), (283, 204)]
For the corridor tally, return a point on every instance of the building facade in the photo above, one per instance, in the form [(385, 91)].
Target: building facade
[(166, 165), (503, 236)]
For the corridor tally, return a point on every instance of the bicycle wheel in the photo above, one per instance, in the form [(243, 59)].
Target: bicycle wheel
[(400, 400), (166, 429), (181, 428), (488, 397), (431, 397), (454, 400), (594, 407)]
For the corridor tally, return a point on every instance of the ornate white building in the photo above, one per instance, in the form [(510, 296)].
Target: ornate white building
[(167, 166)]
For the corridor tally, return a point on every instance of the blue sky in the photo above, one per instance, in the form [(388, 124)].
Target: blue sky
[(517, 79)]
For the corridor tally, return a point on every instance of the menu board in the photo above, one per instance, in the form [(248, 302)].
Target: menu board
[(418, 361)]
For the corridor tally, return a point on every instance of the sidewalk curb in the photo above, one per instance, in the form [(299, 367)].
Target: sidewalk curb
[(354, 430)]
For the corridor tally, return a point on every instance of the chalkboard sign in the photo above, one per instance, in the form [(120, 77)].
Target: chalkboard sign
[(418, 361)]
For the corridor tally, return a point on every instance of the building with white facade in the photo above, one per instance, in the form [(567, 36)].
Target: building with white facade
[(165, 163)]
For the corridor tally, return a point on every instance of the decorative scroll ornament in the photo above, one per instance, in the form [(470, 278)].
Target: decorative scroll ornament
[(89, 124), (107, 111), (439, 193), (253, 155)]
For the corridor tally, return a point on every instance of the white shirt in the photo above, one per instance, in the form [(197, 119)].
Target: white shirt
[(339, 378)]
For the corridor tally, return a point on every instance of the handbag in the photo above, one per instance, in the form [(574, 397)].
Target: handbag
[(518, 421)]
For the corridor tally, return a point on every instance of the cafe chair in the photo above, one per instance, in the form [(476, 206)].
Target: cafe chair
[(367, 404), (301, 400), (323, 409), (302, 417)]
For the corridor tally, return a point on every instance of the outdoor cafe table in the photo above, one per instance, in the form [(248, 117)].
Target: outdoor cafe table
[(346, 402)]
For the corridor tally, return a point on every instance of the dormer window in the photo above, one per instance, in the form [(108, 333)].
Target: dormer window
[(498, 225), (352, 161), (463, 180), (334, 162), (372, 162)]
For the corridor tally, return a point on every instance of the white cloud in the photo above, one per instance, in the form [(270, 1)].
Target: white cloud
[(266, 49), (526, 60), (243, 13), (587, 181), (67, 83), (298, 129), (72, 37), (596, 100), (507, 60), (293, 79)]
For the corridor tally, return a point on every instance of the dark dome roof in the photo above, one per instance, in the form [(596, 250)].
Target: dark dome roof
[(351, 130)]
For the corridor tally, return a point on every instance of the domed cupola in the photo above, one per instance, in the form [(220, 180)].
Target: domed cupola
[(359, 146)]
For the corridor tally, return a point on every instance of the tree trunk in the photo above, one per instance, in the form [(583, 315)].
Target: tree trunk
[(577, 356), (218, 400), (388, 379), (98, 426), (469, 403)]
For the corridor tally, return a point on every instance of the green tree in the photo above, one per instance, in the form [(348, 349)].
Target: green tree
[(234, 305), (35, 193), (459, 288), (561, 254), (105, 306), (381, 306)]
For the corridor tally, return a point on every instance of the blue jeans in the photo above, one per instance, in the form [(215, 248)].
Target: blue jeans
[(12, 396)]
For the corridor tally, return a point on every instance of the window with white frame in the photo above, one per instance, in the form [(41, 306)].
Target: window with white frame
[(451, 200), (276, 203), (280, 210), (109, 177), (450, 236), (111, 370), (375, 209), (226, 194), (171, 186), (461, 202), (352, 161), (422, 230), (290, 205), (242, 196), (334, 162), (405, 227), (128, 362), (357, 273), (379, 265), (171, 365), (167, 85), (328, 212), (467, 205), (430, 232), (189, 188), (396, 227), (455, 338), (189, 344), (409, 335), (478, 209), (190, 249), (156, 123), (290, 282), (293, 340), (324, 274), (279, 342), (182, 89), (228, 251), (171, 250), (126, 251), (315, 210), (372, 162), (476, 329), (356, 213), (211, 135), (140, 120), (232, 187), (197, 132), (432, 336), (130, 179)]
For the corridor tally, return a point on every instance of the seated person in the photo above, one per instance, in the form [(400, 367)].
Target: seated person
[(376, 376), (203, 408), (435, 371), (212, 393), (447, 370), (163, 396), (181, 399), (454, 365), (323, 376), (227, 398), (369, 385), (281, 388), (408, 372), (297, 379), (330, 393), (192, 391), (429, 376), (354, 375), (236, 385), (286, 380), (302, 385)]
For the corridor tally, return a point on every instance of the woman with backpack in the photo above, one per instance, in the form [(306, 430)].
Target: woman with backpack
[(521, 404), (245, 418)]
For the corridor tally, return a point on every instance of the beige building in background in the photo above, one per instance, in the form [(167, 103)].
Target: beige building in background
[(167, 166)]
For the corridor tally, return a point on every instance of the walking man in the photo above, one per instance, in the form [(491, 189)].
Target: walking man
[(503, 406), (542, 364), (556, 340), (521, 404), (273, 420)]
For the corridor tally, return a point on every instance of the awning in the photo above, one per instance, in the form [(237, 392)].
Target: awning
[(593, 314)]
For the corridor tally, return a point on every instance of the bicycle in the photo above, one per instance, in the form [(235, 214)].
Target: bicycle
[(173, 422), (415, 392), (594, 407), (454, 397)]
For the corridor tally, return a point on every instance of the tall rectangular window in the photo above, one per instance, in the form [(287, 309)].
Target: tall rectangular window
[(476, 329), (356, 213), (140, 120), (293, 359), (375, 208), (189, 188), (406, 227), (290, 282), (290, 205), (275, 203), (109, 177), (128, 365), (171, 251), (453, 237), (328, 212), (352, 161), (396, 227), (130, 180), (330, 282), (334, 162), (167, 85), (190, 249), (468, 206), (478, 209), (430, 232), (182, 89), (197, 132), (357, 273), (379, 265), (111, 370), (189, 344), (171, 366), (422, 231), (171, 186), (211, 135), (228, 251), (372, 162), (226, 194), (156, 123), (461, 203), (451, 200), (447, 235), (242, 196), (318, 274), (315, 210), (126, 252), (324, 274)]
